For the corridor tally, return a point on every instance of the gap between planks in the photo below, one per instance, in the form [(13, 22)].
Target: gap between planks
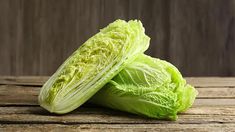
[(197, 102)]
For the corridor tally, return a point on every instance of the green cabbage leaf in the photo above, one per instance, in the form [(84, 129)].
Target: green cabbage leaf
[(92, 65), (148, 86)]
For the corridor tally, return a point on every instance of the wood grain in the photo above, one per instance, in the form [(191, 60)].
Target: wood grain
[(211, 81), (197, 36), (212, 90), (117, 127), (96, 110), (195, 81), (36, 115), (213, 110), (214, 102), (110, 119), (202, 37), (24, 80), (27, 95)]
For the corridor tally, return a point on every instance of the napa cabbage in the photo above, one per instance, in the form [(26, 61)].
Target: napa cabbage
[(92, 65), (149, 87)]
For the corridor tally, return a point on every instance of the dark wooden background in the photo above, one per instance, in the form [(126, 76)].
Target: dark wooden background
[(198, 36)]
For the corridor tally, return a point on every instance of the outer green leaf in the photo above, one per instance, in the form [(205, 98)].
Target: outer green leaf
[(91, 66), (149, 87)]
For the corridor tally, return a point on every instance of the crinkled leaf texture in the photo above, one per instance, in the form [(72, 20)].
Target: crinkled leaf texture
[(91, 66), (149, 87)]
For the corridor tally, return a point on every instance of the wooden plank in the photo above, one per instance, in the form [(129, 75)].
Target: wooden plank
[(18, 95), (195, 81), (28, 95), (10, 35), (197, 102), (117, 127), (36, 115), (211, 110), (47, 32), (202, 37), (214, 102), (45, 118), (211, 81), (217, 93), (37, 36), (23, 80), (95, 110)]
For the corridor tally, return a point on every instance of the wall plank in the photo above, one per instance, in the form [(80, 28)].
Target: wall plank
[(197, 36), (202, 37)]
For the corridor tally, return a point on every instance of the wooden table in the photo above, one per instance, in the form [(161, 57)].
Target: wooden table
[(214, 110)]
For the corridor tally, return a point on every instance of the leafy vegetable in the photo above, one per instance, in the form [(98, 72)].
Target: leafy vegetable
[(95, 63), (149, 87)]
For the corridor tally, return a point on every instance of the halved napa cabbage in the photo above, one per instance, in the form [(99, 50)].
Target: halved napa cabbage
[(94, 64)]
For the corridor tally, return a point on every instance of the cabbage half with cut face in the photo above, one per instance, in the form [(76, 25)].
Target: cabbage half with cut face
[(149, 87), (95, 63)]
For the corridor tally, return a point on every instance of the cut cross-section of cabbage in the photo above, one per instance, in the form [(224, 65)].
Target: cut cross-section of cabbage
[(91, 66), (149, 87)]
